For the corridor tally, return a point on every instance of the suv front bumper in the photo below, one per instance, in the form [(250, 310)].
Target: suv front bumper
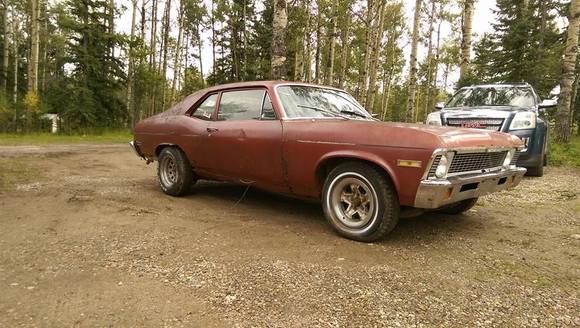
[(440, 192)]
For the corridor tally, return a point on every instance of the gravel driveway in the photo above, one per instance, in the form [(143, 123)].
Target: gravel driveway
[(87, 239)]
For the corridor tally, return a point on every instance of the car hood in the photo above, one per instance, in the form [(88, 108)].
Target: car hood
[(387, 134)]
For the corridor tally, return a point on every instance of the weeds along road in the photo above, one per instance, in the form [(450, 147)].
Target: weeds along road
[(88, 239)]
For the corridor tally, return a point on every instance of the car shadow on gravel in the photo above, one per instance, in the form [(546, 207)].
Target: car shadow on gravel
[(429, 227)]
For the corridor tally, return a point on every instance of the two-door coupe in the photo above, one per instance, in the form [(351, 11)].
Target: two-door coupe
[(318, 142)]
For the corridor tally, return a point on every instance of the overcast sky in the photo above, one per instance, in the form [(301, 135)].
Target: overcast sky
[(482, 23)]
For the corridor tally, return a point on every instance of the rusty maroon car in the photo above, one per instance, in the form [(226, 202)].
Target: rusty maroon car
[(318, 142)]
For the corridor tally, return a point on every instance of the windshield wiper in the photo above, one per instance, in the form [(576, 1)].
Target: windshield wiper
[(352, 112), (334, 114)]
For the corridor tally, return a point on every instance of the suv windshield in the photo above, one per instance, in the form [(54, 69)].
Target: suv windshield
[(493, 96), (310, 101)]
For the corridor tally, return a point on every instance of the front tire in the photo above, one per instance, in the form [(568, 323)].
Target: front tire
[(174, 172), (359, 202)]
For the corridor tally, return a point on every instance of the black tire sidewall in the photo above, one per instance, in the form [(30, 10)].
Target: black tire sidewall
[(184, 172), (387, 206)]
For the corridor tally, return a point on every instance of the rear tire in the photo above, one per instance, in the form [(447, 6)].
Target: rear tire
[(360, 202), (174, 172), (459, 207)]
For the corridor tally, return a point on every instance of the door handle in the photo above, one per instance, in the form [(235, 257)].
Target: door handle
[(212, 130)]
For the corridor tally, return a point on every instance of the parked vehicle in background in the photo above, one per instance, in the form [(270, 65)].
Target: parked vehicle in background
[(512, 108), (319, 142)]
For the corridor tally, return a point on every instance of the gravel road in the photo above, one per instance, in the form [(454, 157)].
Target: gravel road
[(88, 239)]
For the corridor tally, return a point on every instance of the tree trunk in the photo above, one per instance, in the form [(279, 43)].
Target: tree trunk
[(198, 36), (279, 23), (177, 55), (6, 51), (318, 46), (329, 77), (563, 130), (213, 36), (344, 50), (166, 31), (15, 28), (376, 51), (153, 41), (429, 60), (307, 52), (368, 40), (34, 46), (467, 33), (413, 62), (132, 115)]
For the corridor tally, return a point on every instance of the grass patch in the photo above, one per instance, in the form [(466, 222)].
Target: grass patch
[(14, 172), (48, 138), (565, 154)]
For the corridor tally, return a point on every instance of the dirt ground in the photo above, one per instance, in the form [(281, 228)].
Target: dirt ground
[(88, 239)]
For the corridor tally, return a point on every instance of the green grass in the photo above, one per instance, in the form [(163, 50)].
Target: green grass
[(565, 154), (48, 138)]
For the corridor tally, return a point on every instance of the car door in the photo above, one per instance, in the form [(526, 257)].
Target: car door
[(197, 133), (244, 142)]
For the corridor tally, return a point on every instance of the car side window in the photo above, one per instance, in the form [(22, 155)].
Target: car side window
[(205, 110), (241, 105), (267, 109)]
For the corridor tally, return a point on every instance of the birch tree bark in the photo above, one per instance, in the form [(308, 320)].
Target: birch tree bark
[(34, 46), (177, 54), (375, 53), (279, 23), (563, 129), (6, 49), (413, 63), (467, 33), (329, 76), (130, 66)]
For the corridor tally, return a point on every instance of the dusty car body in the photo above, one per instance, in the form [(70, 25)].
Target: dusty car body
[(299, 142)]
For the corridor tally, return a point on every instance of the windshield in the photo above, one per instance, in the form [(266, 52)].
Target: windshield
[(493, 96), (309, 101)]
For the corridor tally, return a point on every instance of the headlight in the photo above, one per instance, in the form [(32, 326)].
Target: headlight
[(443, 166), (508, 159), (433, 119), (523, 120)]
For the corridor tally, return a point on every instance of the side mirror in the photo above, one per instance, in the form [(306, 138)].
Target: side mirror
[(547, 103), (440, 105)]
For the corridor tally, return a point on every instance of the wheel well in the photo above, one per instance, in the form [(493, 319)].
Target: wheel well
[(328, 165), (161, 146)]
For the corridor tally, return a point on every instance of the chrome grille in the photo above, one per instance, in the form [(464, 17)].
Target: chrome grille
[(433, 168), (494, 124), (515, 158), (468, 162)]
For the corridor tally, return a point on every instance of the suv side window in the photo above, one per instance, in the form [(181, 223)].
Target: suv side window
[(205, 110), (241, 105)]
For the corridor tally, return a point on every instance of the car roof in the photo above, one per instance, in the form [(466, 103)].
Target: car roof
[(271, 83)]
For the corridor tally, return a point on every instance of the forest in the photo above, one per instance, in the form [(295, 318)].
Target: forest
[(71, 58)]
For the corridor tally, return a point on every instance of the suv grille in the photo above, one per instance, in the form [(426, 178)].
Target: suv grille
[(494, 124), (467, 162)]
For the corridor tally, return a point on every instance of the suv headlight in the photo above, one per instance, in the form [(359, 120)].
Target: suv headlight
[(523, 120), (434, 119)]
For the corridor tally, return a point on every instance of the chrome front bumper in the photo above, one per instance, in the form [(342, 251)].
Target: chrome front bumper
[(439, 192), (136, 149)]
